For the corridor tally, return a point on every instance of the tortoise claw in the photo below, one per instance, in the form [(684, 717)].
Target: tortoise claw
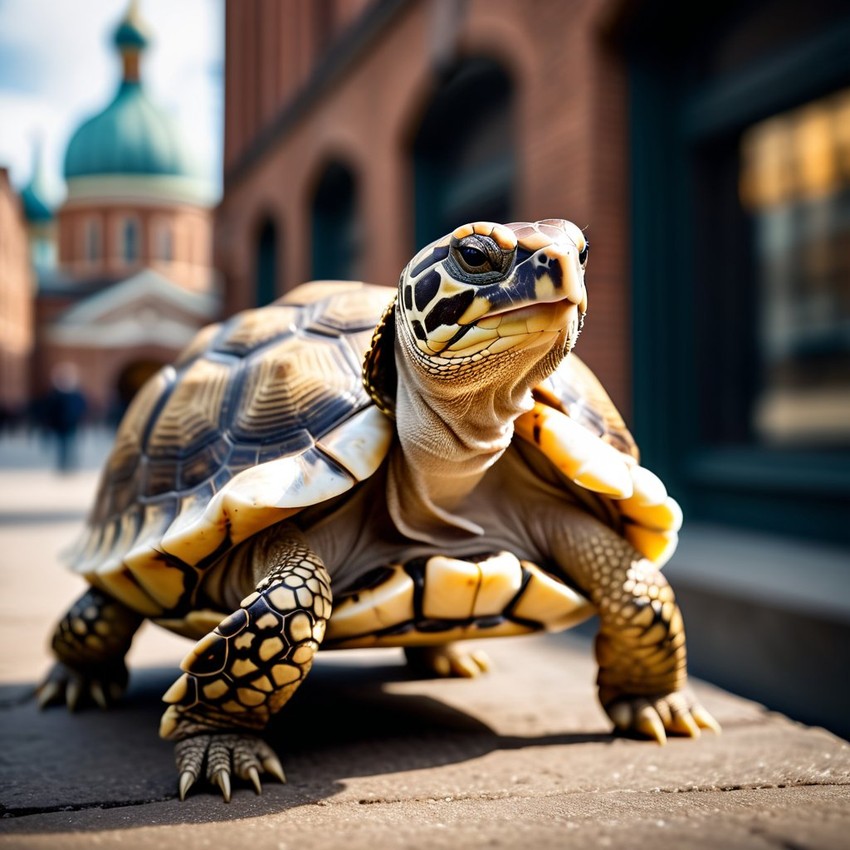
[(254, 776), (187, 780), (75, 688), (649, 724), (222, 779), (225, 754), (704, 720), (99, 695), (675, 713), (49, 693), (272, 765), (448, 660), (640, 717), (73, 692)]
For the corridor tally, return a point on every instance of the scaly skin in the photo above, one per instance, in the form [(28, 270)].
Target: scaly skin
[(245, 670), (641, 642), (90, 643)]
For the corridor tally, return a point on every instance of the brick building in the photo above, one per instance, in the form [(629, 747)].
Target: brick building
[(132, 278), (355, 132), (704, 146), (16, 298)]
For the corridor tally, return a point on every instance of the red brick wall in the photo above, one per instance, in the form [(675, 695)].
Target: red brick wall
[(191, 229), (16, 288), (570, 137)]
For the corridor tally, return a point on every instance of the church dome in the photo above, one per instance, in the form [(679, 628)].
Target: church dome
[(37, 207), (132, 135)]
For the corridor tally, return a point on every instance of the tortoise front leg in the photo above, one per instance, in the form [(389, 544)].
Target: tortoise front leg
[(90, 643), (641, 642), (246, 669)]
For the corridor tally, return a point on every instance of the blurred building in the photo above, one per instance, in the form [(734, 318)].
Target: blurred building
[(125, 273), (357, 131), (16, 298), (40, 220), (705, 147)]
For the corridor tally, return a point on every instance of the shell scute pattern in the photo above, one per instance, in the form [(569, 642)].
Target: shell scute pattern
[(349, 311), (190, 420), (117, 493), (225, 445), (296, 390), (253, 329), (578, 392)]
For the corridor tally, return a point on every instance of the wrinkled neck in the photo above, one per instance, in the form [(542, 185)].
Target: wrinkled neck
[(450, 432)]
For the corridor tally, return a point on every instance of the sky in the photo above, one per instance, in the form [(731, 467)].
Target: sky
[(58, 66)]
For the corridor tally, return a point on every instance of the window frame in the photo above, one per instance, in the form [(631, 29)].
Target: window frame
[(124, 222), (266, 260), (673, 121), (164, 241), (93, 237)]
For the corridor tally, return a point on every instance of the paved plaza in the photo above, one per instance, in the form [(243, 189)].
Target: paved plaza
[(522, 757)]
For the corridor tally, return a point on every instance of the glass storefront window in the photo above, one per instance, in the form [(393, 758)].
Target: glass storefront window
[(794, 183)]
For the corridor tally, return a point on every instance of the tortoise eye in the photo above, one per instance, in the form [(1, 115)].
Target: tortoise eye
[(473, 257), (478, 259), (582, 255)]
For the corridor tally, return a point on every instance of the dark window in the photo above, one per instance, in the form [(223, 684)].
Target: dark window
[(165, 242), (337, 244), (463, 155), (795, 188), (741, 228), (130, 240), (266, 263), (93, 240)]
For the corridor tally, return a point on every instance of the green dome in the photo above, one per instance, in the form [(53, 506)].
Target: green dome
[(130, 136), (36, 208), (131, 33)]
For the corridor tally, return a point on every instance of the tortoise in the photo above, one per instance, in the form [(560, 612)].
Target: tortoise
[(428, 464)]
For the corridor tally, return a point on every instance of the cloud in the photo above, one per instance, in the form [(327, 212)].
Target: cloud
[(59, 67)]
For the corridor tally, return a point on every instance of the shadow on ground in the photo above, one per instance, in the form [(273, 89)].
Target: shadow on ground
[(345, 722)]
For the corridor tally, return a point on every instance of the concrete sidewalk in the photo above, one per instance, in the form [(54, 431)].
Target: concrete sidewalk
[(376, 758)]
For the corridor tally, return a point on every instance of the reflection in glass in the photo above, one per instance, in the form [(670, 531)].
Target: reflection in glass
[(795, 182)]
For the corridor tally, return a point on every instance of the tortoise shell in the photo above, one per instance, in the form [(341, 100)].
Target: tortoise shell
[(259, 417)]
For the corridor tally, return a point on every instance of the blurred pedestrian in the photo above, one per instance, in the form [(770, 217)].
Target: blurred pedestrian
[(64, 409)]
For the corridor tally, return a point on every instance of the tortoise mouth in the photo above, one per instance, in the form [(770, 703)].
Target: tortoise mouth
[(523, 311), (511, 328)]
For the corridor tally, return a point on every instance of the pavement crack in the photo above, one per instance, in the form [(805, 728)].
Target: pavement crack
[(767, 786), (515, 794), (26, 811)]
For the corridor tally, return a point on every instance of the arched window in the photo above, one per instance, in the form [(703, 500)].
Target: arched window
[(164, 242), (266, 263), (336, 232), (464, 163), (92, 238), (130, 240)]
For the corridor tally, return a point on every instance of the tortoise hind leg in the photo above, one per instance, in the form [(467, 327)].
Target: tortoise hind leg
[(448, 660), (246, 669), (90, 643)]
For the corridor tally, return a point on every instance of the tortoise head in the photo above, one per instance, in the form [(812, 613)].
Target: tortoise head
[(482, 301)]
